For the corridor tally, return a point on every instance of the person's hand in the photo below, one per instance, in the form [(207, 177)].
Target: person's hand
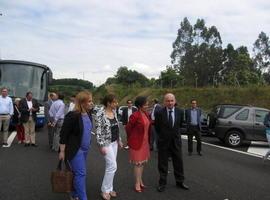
[(120, 144), (62, 155), (53, 124), (103, 150)]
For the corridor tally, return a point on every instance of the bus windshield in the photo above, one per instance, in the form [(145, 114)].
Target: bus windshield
[(20, 78)]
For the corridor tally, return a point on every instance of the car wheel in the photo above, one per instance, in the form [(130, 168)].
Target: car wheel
[(234, 138)]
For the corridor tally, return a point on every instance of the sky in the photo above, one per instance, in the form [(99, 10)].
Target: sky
[(91, 39)]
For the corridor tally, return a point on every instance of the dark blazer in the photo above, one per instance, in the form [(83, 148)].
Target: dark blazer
[(135, 130), (23, 107), (125, 115), (188, 117), (167, 134), (71, 133)]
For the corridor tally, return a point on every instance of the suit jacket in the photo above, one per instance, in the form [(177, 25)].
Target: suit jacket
[(135, 130), (23, 107), (167, 134), (125, 115), (71, 133), (188, 117)]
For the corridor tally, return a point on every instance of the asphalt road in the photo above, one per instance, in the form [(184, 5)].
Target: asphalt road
[(219, 174)]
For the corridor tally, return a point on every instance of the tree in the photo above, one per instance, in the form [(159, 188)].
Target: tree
[(169, 77), (129, 77), (261, 51), (197, 50)]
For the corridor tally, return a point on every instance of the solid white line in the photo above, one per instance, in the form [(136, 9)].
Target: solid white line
[(229, 149), (11, 138)]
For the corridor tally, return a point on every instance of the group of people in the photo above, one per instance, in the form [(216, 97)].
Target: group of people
[(23, 112), (165, 122)]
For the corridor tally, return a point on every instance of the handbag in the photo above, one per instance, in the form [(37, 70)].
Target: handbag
[(62, 179)]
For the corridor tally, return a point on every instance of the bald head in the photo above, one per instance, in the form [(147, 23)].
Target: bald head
[(169, 100)]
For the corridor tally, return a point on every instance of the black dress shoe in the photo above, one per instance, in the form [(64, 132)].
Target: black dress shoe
[(199, 153), (161, 188), (182, 186)]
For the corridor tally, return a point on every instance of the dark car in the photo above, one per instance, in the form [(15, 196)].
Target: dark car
[(233, 124)]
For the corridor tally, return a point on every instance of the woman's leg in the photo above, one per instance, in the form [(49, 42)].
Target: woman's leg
[(137, 177), (141, 174), (110, 168), (78, 166)]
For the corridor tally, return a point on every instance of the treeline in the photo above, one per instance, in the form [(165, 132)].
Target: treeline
[(70, 86), (199, 60)]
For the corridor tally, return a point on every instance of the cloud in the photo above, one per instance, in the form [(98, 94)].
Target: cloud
[(91, 39)]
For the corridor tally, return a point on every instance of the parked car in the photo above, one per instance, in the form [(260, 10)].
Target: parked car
[(233, 124)]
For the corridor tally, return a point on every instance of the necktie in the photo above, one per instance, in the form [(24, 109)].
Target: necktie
[(170, 119)]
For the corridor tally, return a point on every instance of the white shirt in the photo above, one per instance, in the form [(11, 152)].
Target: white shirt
[(153, 113), (129, 112), (30, 105), (71, 106), (6, 105)]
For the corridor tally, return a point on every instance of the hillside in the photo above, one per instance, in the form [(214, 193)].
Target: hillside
[(207, 97)]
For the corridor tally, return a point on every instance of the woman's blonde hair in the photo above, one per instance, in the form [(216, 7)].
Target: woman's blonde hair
[(81, 98)]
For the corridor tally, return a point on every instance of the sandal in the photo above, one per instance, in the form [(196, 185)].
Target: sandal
[(113, 194), (105, 196)]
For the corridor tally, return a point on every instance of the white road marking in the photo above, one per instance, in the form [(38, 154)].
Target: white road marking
[(261, 148), (10, 139), (229, 149)]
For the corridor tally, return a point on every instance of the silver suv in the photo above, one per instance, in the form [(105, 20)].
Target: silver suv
[(233, 124)]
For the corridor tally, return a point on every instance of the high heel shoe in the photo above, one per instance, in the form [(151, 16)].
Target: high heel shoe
[(105, 196), (138, 190), (143, 186)]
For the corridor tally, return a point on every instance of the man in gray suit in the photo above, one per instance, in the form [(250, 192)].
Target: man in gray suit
[(48, 119), (193, 120)]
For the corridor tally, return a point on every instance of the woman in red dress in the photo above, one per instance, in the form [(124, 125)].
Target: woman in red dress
[(138, 134)]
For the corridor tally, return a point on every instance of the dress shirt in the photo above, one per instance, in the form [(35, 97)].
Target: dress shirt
[(153, 113), (71, 106), (6, 105), (129, 113), (173, 115), (194, 118), (57, 110), (30, 105)]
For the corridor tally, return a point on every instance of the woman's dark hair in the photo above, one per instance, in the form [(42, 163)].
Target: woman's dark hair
[(108, 99), (140, 101)]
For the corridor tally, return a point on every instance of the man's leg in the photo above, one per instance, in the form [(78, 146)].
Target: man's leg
[(5, 122), (198, 139), (177, 160), (190, 142), (163, 165)]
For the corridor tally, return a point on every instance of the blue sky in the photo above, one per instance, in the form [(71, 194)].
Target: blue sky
[(90, 39)]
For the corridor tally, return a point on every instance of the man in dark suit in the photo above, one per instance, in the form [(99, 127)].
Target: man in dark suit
[(193, 119), (127, 111), (29, 108), (168, 122)]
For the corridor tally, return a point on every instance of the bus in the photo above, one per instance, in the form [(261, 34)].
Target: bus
[(19, 77)]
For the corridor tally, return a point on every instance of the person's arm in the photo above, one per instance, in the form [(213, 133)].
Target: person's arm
[(99, 127), (131, 123), (158, 122), (65, 132), (11, 108)]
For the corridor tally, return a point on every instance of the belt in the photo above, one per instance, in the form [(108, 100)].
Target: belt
[(5, 114)]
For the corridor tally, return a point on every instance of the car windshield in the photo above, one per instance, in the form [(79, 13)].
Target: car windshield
[(20, 78)]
